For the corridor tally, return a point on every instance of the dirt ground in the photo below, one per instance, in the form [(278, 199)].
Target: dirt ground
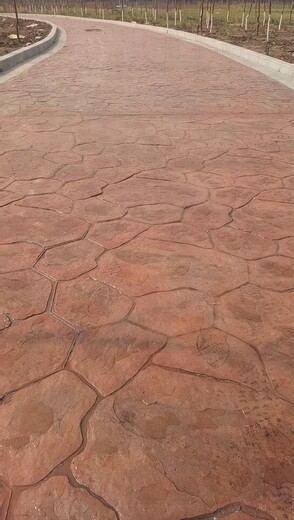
[(30, 31), (281, 44)]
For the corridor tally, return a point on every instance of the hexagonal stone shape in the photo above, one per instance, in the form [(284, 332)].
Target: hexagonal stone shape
[(35, 186), (274, 272), (4, 500), (232, 196), (70, 260), (82, 189), (95, 209), (264, 319), (214, 353), (169, 438), (40, 427), (13, 164), (148, 191), (243, 244), (143, 266), (155, 213), (35, 348), (179, 232), (56, 494), (209, 215), (272, 220), (174, 313), (114, 234), (24, 293), (53, 202), (109, 356), (286, 247), (14, 257), (87, 303), (37, 225)]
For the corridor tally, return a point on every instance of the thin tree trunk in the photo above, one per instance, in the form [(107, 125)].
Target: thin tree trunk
[(268, 23), (201, 16), (167, 14), (264, 13), (258, 17), (122, 10), (243, 14), (211, 17), (291, 9), (16, 20), (247, 16), (281, 17), (228, 10)]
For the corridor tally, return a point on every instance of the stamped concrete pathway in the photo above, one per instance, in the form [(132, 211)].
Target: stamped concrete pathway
[(146, 259)]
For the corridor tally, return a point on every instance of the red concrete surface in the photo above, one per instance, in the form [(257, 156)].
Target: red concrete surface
[(146, 278)]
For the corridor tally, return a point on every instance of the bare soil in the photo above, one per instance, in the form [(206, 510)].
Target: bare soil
[(30, 31), (281, 44)]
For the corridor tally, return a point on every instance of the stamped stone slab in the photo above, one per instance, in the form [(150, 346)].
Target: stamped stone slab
[(155, 213), (38, 225), (35, 348), (209, 215), (95, 209), (274, 272), (85, 302), (82, 189), (70, 260), (12, 164), (40, 427), (174, 313), (109, 356), (4, 500), (53, 202), (114, 234), (14, 257), (147, 191), (35, 186), (264, 319), (24, 293), (56, 498), (286, 247), (179, 232), (215, 353), (241, 243), (144, 266), (272, 220), (155, 447)]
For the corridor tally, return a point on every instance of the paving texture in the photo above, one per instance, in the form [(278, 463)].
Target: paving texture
[(146, 270)]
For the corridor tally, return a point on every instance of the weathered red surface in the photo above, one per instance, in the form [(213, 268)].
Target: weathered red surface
[(146, 279)]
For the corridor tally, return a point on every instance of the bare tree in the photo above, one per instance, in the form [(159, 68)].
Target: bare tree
[(228, 10), (211, 16), (243, 14), (201, 16), (257, 16), (247, 16), (16, 20), (282, 13), (268, 24)]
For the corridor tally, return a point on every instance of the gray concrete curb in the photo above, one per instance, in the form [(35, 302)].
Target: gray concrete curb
[(26, 53)]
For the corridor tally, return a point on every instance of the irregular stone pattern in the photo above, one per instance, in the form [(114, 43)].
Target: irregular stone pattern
[(164, 428), (40, 427), (56, 498), (146, 266)]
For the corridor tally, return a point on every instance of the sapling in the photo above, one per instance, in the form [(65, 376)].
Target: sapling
[(282, 13), (16, 20)]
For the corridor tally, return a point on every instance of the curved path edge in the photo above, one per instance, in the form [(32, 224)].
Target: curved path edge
[(20, 60), (274, 68)]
